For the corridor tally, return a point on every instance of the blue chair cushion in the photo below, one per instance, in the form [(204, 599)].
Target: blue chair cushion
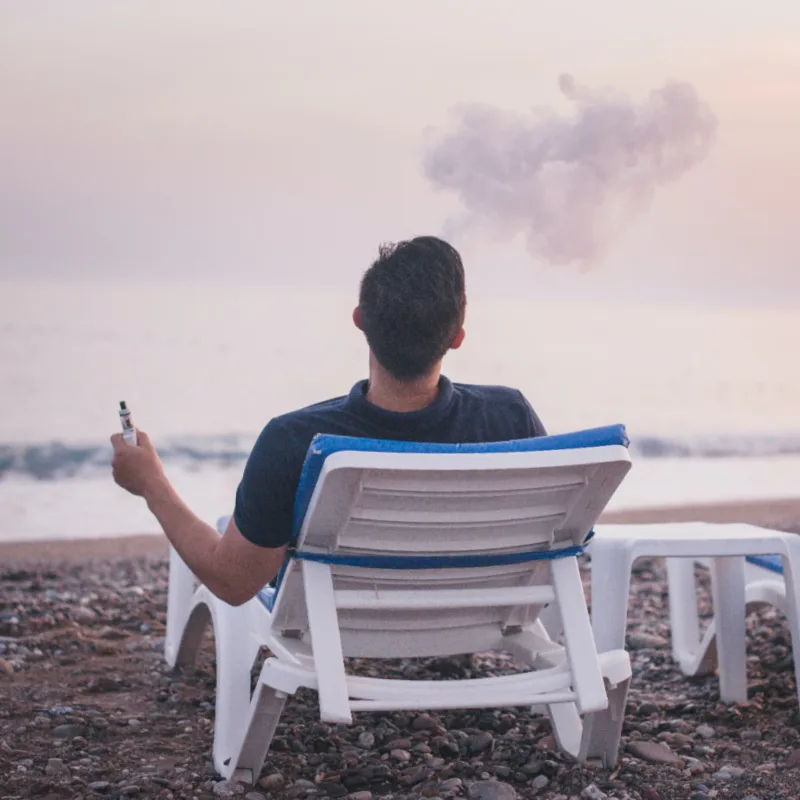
[(772, 563), (324, 445)]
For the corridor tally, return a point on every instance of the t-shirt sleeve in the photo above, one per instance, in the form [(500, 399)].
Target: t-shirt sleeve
[(536, 428), (265, 497)]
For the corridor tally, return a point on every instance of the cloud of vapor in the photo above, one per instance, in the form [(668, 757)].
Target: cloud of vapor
[(569, 183)]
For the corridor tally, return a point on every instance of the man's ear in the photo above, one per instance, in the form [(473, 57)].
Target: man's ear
[(357, 318), (458, 339)]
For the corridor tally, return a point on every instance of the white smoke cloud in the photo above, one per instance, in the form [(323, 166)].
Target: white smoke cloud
[(571, 184)]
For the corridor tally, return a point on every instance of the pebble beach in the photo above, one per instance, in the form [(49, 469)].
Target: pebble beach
[(89, 709)]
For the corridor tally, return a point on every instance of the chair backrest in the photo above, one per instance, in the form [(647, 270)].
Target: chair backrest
[(431, 518)]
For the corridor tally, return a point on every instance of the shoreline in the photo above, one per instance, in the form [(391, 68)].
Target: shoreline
[(782, 514)]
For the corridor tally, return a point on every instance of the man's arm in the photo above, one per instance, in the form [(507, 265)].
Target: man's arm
[(233, 568)]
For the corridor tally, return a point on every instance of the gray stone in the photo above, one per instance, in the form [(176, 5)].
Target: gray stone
[(591, 792), (654, 752), (728, 773), (60, 711), (423, 722), (539, 782), (272, 783), (694, 765), (491, 790), (68, 731), (750, 736), (705, 731), (478, 742), (254, 796), (129, 791), (450, 785), (83, 614), (227, 788), (362, 795), (645, 641), (99, 786), (56, 767), (366, 740), (400, 755)]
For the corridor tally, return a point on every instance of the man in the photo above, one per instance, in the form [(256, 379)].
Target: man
[(411, 309)]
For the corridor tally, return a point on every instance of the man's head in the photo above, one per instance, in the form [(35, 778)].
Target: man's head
[(411, 305)]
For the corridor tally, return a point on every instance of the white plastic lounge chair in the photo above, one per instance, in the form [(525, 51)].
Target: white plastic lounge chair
[(744, 571), (409, 550)]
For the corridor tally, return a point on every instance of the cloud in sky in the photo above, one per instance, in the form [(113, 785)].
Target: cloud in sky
[(570, 184)]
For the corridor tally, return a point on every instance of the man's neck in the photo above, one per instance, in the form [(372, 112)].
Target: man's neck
[(385, 391)]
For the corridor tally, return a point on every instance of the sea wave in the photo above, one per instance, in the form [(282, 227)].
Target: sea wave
[(59, 461)]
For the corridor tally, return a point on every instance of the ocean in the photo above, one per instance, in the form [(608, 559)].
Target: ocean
[(711, 397)]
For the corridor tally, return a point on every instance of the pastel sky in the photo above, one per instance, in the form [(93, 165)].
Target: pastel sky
[(264, 142)]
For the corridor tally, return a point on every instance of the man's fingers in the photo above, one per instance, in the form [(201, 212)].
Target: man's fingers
[(117, 441), (143, 440)]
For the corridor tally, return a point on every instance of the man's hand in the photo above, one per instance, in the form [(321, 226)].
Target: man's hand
[(136, 468)]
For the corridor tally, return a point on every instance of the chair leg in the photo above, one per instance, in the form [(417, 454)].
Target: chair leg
[(684, 622), (276, 682), (602, 730), (236, 653), (567, 727), (791, 575), (728, 596), (179, 599), (611, 578), (326, 643)]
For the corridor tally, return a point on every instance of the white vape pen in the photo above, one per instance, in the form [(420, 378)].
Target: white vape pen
[(128, 431)]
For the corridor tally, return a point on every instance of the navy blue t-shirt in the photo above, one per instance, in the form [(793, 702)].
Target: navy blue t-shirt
[(461, 413)]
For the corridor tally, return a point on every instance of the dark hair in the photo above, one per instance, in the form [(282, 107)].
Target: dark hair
[(412, 303)]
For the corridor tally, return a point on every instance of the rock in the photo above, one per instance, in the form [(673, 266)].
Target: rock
[(68, 731), (227, 788), (650, 794), (129, 791), (728, 773), (533, 767), (99, 786), (400, 755), (654, 752), (272, 783), (694, 765), (792, 760), (646, 709), (423, 722), (60, 711), (539, 782), (591, 792), (360, 795), (254, 796), (302, 783), (705, 731), (478, 742), (366, 740), (55, 768), (491, 790), (750, 736), (84, 615), (451, 785), (645, 641)]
